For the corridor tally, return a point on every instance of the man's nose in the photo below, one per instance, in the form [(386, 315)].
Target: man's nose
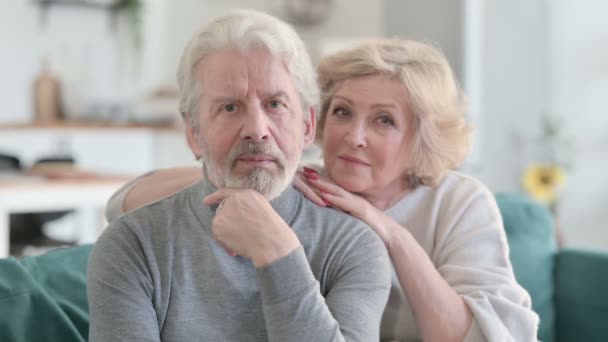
[(255, 126), (356, 136)]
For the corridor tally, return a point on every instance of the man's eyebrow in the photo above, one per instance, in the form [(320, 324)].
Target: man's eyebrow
[(218, 99), (279, 93)]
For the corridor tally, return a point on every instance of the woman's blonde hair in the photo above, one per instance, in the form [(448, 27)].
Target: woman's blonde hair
[(442, 134)]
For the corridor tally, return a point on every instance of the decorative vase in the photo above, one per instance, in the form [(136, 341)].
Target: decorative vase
[(47, 95)]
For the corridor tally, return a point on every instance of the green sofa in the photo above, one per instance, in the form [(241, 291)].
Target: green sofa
[(569, 287), (44, 298)]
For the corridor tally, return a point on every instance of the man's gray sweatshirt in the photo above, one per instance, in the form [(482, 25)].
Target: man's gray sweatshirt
[(158, 274)]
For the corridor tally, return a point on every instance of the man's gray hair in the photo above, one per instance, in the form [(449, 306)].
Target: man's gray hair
[(244, 29)]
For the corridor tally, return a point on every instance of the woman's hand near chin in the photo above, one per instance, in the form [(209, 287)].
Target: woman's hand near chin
[(301, 183), (324, 192)]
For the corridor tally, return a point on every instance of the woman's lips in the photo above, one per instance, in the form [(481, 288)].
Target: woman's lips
[(353, 160)]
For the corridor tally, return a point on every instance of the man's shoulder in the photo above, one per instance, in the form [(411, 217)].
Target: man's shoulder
[(331, 225), (330, 215), (160, 220), (335, 242), (162, 209), (155, 227)]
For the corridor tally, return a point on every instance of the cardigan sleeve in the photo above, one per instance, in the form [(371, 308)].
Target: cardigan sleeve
[(115, 205), (472, 255)]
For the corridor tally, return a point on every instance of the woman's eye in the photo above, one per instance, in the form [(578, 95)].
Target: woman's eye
[(386, 120), (339, 111)]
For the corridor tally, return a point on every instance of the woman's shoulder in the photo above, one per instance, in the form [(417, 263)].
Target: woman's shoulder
[(460, 194), (459, 186), (454, 188), (466, 198)]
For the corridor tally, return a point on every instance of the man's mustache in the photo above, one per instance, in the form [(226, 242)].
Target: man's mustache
[(264, 149)]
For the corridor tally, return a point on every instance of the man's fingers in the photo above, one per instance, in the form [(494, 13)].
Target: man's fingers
[(219, 196)]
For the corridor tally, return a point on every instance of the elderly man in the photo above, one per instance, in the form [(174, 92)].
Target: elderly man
[(241, 255)]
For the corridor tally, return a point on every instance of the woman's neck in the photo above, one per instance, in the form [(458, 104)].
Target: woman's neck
[(386, 197)]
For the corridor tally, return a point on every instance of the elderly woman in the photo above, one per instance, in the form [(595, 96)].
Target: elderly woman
[(392, 130)]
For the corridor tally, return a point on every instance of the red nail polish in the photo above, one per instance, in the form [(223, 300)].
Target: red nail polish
[(312, 176), (309, 170)]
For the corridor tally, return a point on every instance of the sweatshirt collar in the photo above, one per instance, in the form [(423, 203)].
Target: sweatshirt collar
[(285, 204)]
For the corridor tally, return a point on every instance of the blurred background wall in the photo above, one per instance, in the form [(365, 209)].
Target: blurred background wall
[(517, 60)]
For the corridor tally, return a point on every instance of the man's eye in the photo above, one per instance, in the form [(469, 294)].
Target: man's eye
[(274, 104), (230, 108)]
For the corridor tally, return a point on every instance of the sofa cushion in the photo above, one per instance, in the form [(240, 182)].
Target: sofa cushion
[(530, 231), (43, 298), (580, 292)]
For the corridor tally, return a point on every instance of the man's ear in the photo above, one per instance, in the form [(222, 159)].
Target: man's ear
[(193, 140), (310, 127)]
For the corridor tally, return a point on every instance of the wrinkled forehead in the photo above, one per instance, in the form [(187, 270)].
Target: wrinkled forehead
[(233, 72)]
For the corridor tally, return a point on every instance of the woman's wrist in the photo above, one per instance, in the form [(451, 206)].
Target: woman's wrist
[(380, 223), (396, 239)]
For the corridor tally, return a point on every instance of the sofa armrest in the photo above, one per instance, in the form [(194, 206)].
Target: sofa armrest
[(581, 295), (43, 298)]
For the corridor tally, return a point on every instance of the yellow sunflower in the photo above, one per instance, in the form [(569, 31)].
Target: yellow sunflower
[(543, 181)]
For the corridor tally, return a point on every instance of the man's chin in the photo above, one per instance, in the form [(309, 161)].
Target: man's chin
[(248, 178), (242, 169), (252, 173), (259, 179)]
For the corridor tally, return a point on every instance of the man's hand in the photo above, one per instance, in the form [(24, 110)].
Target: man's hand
[(247, 224)]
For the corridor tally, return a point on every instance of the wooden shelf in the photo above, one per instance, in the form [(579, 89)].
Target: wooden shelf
[(80, 3), (88, 125)]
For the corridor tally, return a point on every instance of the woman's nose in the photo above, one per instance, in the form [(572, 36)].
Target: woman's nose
[(356, 135)]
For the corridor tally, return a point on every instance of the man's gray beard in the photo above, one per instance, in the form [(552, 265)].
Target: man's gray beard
[(259, 178)]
